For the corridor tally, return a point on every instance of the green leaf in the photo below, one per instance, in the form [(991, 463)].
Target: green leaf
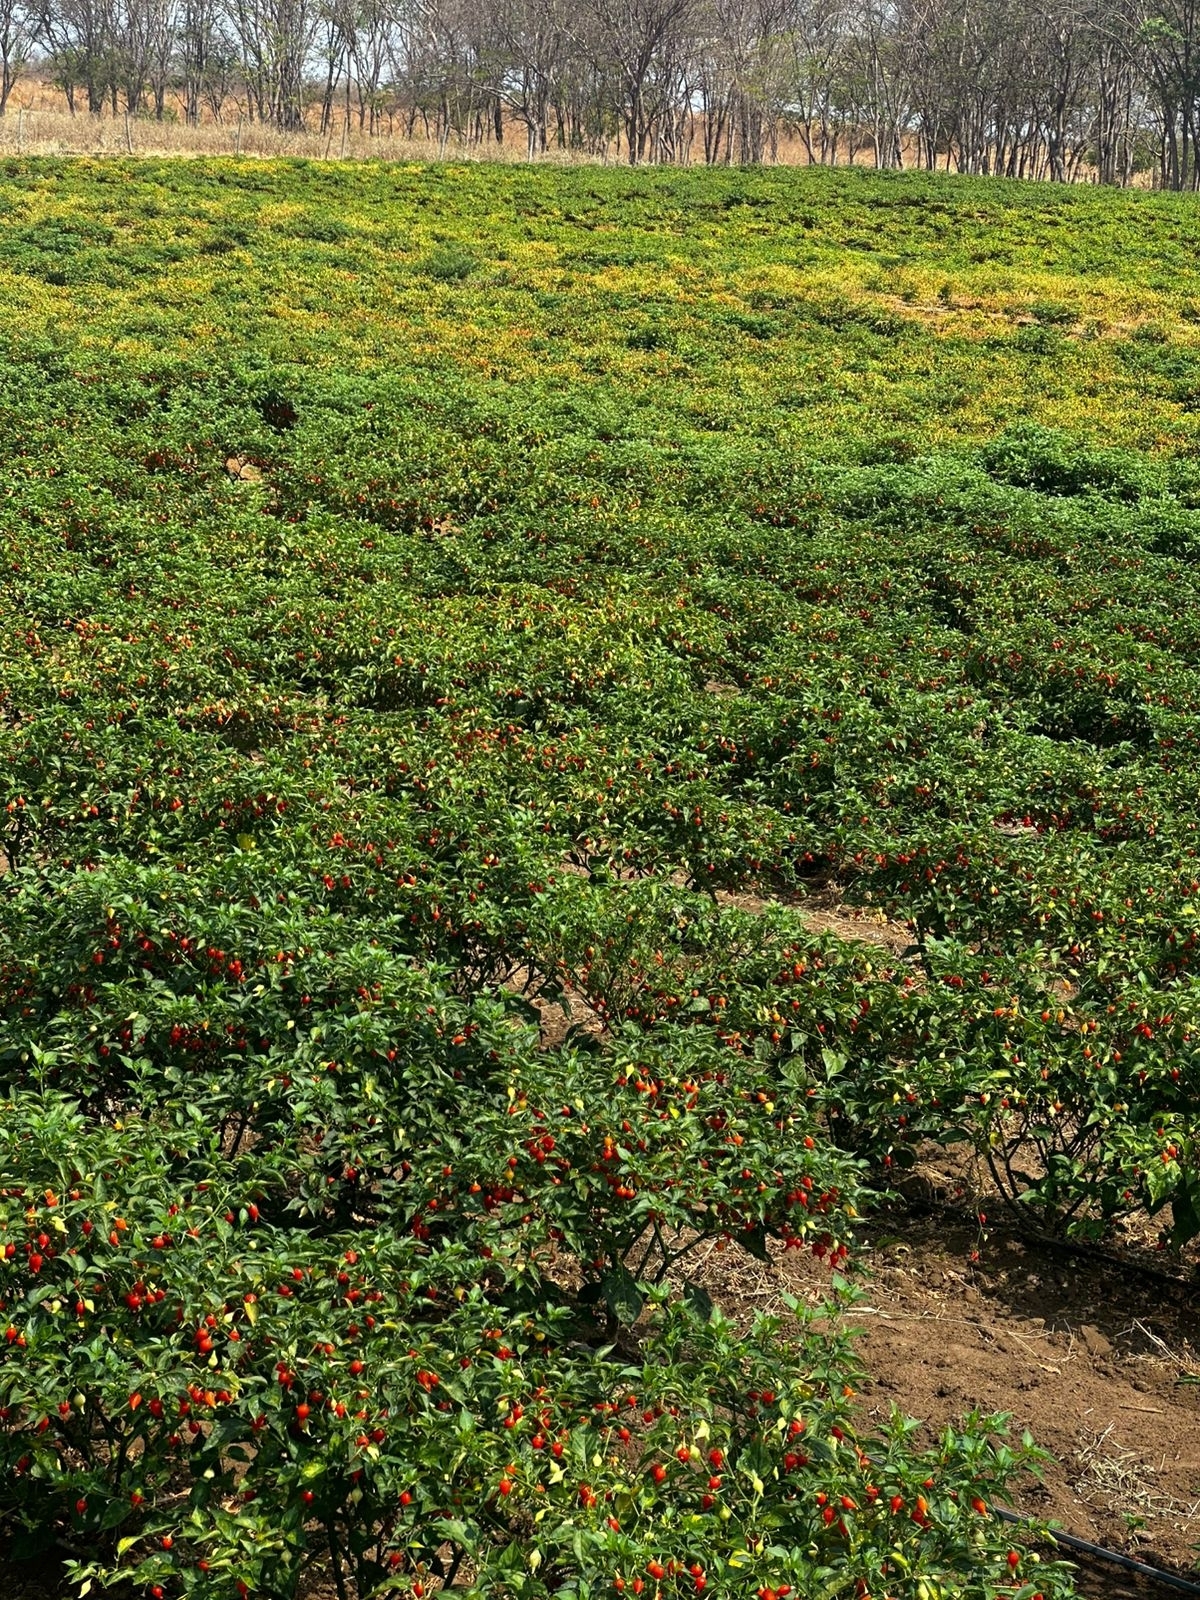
[(622, 1295), (755, 1241), (698, 1301)]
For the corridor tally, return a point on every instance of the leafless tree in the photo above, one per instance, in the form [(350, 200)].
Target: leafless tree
[(535, 45), (204, 57), (18, 34), (1170, 35), (641, 45), (79, 34), (275, 40)]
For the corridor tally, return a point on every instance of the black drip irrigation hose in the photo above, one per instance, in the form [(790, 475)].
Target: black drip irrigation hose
[(1078, 1249), (1072, 1541)]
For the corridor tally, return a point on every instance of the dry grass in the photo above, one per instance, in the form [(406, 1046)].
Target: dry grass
[(1125, 1482), (1158, 1350), (39, 123), (42, 131)]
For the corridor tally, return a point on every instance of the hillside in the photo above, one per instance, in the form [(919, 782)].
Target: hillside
[(564, 732)]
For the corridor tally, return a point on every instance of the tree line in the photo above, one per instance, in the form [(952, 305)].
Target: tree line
[(1101, 90)]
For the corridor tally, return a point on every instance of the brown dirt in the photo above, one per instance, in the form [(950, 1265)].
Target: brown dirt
[(825, 911), (556, 1017), (16, 1584), (1080, 1361)]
